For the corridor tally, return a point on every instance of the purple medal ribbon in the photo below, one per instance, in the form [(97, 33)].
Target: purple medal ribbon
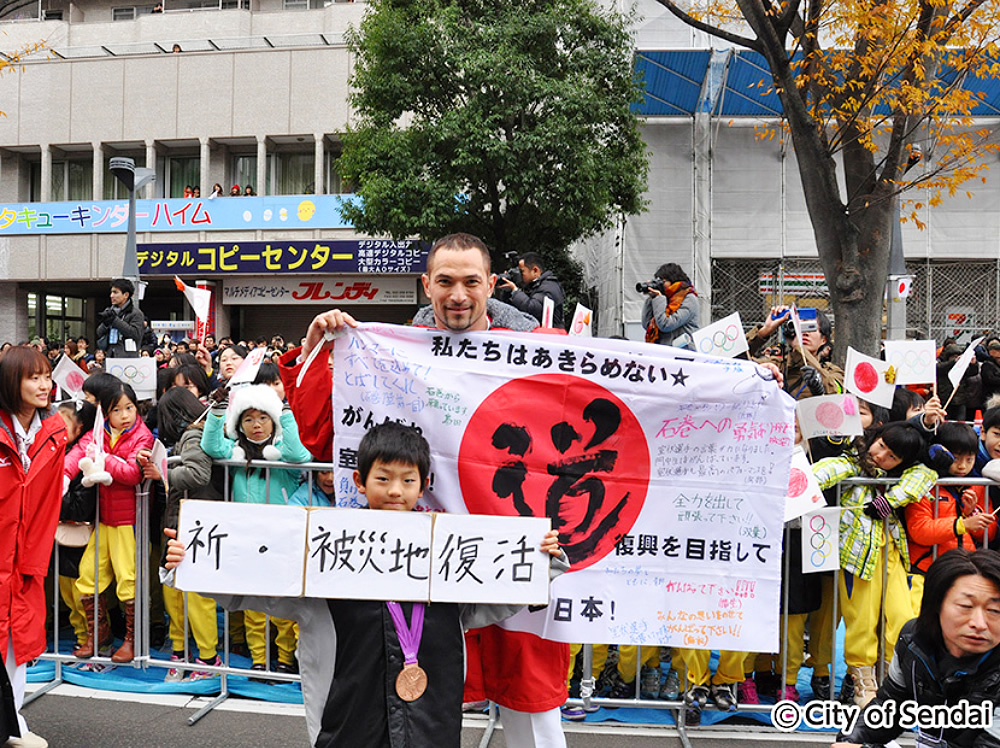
[(409, 636)]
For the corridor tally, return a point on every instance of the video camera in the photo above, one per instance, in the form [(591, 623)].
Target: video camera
[(514, 273), (807, 321)]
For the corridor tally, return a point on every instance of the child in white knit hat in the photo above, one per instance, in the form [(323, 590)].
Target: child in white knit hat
[(256, 426)]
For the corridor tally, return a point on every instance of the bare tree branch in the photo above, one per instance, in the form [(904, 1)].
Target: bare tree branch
[(740, 41)]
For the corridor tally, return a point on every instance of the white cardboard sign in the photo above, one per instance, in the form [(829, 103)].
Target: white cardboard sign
[(475, 552), (365, 555), (242, 549)]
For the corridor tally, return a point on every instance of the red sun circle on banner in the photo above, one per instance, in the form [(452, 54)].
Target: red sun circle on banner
[(74, 381), (797, 482), (559, 446), (865, 376), (829, 415)]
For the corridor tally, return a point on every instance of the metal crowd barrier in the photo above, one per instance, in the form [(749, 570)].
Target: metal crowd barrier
[(145, 577)]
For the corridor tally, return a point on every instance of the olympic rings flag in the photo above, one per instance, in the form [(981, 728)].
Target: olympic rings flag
[(723, 337), (821, 540), (664, 471), (138, 372), (914, 360)]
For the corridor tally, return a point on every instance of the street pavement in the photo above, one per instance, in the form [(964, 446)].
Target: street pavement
[(71, 716)]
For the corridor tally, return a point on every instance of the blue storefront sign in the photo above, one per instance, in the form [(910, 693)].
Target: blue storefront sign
[(300, 257), (279, 212)]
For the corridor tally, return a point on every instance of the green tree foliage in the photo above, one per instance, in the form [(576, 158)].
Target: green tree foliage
[(508, 119)]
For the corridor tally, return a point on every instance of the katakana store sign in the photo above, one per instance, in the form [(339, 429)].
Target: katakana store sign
[(368, 256), (297, 290)]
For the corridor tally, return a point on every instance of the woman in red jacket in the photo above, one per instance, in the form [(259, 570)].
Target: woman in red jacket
[(32, 449)]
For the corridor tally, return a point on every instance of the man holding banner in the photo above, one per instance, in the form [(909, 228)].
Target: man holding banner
[(522, 672)]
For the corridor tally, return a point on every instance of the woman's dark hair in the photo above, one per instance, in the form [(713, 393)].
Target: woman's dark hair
[(671, 272), (183, 359), (902, 401), (97, 383), (194, 374), (164, 381), (940, 578), (903, 439), (177, 410), (111, 396), (16, 364), (238, 349), (880, 415), (268, 373), (83, 412)]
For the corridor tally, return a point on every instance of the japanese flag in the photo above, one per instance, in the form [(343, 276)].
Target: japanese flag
[(902, 287), (870, 378), (581, 322), (200, 299), (251, 364), (69, 377)]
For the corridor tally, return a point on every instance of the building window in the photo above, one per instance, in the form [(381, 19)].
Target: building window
[(131, 12), (71, 180), (291, 173), (334, 184), (58, 318), (244, 173), (113, 188), (305, 4), (182, 172)]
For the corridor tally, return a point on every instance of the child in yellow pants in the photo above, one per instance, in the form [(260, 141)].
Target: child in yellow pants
[(203, 624), (692, 665)]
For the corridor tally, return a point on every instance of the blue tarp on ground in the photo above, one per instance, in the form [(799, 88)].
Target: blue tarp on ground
[(129, 679)]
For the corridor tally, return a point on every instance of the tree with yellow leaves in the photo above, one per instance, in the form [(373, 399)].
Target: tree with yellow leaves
[(879, 85)]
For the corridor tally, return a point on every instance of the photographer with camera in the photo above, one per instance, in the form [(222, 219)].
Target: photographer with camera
[(814, 376), (537, 284), (670, 311), (121, 326)]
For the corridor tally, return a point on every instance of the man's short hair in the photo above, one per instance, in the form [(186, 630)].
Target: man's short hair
[(394, 442), (124, 285), (533, 260), (991, 419), (940, 578), (82, 338), (460, 241)]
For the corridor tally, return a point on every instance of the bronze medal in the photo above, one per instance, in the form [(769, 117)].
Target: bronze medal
[(411, 682)]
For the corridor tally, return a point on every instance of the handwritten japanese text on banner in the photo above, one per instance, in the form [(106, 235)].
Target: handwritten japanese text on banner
[(664, 471)]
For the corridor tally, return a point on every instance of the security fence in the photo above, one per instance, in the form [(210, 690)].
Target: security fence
[(147, 577), (947, 299)]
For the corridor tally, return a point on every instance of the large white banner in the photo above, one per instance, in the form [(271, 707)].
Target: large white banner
[(664, 471)]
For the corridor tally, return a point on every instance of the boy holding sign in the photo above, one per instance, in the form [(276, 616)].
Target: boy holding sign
[(379, 680)]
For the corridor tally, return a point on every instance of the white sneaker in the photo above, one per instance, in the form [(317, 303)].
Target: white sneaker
[(28, 740)]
